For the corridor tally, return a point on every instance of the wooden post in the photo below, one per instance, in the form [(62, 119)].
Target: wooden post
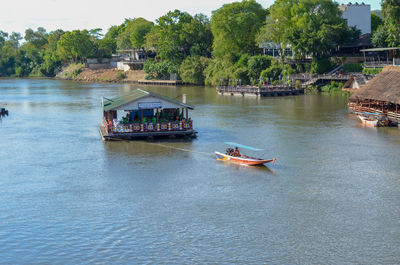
[(187, 114)]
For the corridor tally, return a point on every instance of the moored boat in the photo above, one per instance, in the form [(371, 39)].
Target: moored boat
[(368, 121), (243, 159)]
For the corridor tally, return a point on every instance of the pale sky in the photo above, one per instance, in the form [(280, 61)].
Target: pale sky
[(18, 15)]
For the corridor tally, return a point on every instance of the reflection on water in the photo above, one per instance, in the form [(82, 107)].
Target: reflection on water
[(332, 196)]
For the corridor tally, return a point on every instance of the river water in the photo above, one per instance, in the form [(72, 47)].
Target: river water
[(333, 197)]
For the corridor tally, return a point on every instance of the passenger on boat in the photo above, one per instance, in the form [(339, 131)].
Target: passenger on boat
[(229, 151), (236, 152)]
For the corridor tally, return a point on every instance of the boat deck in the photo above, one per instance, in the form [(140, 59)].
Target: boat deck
[(143, 135)]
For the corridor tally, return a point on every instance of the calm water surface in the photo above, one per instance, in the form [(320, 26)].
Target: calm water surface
[(67, 197)]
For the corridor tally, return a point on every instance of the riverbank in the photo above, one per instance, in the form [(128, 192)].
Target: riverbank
[(80, 73)]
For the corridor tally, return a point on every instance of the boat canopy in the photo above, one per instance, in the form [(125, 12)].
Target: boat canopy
[(140, 99), (243, 146)]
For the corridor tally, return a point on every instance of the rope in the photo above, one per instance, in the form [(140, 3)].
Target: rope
[(181, 149)]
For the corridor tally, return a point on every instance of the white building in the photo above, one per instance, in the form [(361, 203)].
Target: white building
[(358, 15)]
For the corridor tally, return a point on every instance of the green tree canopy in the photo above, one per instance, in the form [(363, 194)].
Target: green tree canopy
[(75, 45), (37, 38), (376, 21), (138, 29), (177, 35), (192, 70), (235, 27), (391, 16), (310, 27), (51, 59)]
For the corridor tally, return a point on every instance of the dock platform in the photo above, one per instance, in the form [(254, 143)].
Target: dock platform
[(264, 91), (144, 135), (160, 82)]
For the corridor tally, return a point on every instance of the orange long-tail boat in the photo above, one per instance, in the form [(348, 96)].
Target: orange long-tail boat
[(243, 159)]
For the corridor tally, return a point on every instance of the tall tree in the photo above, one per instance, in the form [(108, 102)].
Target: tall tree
[(177, 35), (37, 38), (138, 29), (51, 59), (3, 37), (235, 26), (391, 16), (75, 45), (310, 27), (376, 21)]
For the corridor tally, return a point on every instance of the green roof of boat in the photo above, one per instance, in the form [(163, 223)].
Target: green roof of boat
[(111, 104)]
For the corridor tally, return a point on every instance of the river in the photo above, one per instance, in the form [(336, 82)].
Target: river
[(333, 196)]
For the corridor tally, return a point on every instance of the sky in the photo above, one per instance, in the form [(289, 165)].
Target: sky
[(19, 15)]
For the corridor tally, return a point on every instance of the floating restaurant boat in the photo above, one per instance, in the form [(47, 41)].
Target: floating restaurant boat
[(143, 114), (234, 156)]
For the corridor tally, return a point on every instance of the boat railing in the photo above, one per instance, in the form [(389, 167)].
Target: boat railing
[(152, 127)]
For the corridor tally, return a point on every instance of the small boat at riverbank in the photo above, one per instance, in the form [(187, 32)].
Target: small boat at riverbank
[(373, 119), (243, 159), (367, 121)]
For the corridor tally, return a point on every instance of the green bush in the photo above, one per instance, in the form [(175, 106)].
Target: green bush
[(352, 67), (321, 66), (277, 71), (71, 71), (192, 70), (19, 71), (160, 70), (121, 75), (371, 71), (219, 69), (256, 64), (332, 87)]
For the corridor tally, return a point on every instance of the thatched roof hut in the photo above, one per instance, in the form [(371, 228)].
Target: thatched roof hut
[(384, 87)]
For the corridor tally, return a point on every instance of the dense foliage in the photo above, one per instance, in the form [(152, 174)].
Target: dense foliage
[(352, 67), (309, 27), (388, 33), (235, 26), (202, 50)]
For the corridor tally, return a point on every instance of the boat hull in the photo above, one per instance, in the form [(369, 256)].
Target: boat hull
[(368, 122), (243, 160)]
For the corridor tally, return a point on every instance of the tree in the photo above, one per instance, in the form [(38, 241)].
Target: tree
[(166, 37), (192, 70), (51, 59), (258, 63), (96, 33), (376, 21), (379, 39), (37, 38), (391, 16), (235, 26), (309, 27), (138, 29), (75, 45), (197, 37), (3, 38)]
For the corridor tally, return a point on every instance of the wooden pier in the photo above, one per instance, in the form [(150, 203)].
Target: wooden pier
[(307, 80), (264, 91), (160, 82)]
